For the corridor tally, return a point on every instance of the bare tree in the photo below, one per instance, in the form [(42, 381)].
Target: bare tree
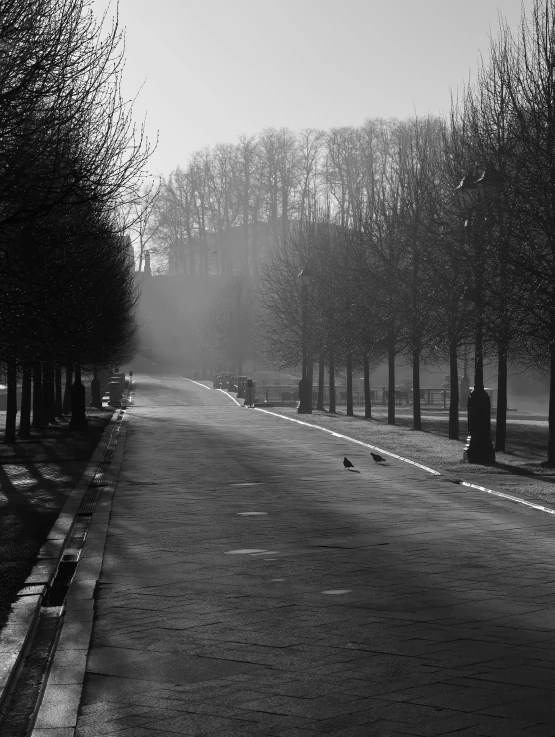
[(139, 219)]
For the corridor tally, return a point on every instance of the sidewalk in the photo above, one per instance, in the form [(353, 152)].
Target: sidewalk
[(249, 585)]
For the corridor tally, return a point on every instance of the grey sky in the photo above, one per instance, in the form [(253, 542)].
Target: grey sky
[(213, 69)]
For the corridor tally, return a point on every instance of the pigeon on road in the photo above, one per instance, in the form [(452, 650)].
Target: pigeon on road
[(347, 463), (377, 458)]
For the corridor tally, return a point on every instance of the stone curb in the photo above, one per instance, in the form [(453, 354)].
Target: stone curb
[(61, 697), (17, 634)]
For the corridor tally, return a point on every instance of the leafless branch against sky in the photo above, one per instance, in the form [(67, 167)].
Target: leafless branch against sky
[(210, 71)]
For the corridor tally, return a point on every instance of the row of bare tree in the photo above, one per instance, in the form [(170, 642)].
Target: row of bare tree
[(70, 157), (402, 263), (231, 204), (421, 268)]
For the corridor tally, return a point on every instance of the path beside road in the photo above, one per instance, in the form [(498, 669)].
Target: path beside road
[(252, 586)]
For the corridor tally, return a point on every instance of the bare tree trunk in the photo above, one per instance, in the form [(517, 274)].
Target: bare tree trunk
[(416, 411), (255, 243), (331, 370), (391, 379), (501, 416), (310, 377), (66, 406), (25, 414), (321, 380), (58, 383), (11, 407), (52, 386), (454, 398), (38, 413), (78, 417), (367, 395), (350, 412), (96, 396), (246, 220), (48, 394), (550, 463)]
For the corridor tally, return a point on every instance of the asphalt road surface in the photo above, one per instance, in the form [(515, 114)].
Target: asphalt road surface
[(253, 586)]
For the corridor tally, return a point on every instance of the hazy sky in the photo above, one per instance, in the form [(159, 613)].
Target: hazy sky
[(213, 69)]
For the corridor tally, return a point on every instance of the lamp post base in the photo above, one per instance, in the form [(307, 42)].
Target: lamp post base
[(305, 397), (479, 448)]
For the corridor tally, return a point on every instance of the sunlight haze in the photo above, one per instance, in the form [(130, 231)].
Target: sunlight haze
[(209, 71)]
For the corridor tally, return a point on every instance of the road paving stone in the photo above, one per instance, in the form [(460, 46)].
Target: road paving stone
[(379, 603)]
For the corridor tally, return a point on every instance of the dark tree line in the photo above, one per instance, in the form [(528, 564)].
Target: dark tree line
[(70, 157)]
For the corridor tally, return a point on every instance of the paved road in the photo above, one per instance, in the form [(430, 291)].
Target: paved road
[(252, 586)]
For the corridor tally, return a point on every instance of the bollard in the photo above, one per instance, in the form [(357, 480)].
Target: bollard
[(249, 394), (241, 385), (114, 390), (120, 376)]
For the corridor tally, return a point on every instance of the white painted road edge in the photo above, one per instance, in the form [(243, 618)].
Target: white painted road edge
[(510, 497), (219, 390), (353, 440), (501, 494), (195, 382), (232, 398)]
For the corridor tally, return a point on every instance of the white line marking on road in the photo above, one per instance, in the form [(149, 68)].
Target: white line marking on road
[(223, 391), (207, 387), (336, 592), (250, 514), (353, 440), (196, 382), (267, 552), (511, 498)]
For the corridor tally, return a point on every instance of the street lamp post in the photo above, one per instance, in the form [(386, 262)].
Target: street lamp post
[(305, 384), (478, 448)]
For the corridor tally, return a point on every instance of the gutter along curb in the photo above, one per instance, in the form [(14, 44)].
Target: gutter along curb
[(18, 632), (60, 699)]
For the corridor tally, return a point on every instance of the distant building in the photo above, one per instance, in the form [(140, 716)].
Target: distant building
[(171, 310)]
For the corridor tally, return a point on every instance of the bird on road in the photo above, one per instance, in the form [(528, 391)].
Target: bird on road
[(377, 458), (347, 463)]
